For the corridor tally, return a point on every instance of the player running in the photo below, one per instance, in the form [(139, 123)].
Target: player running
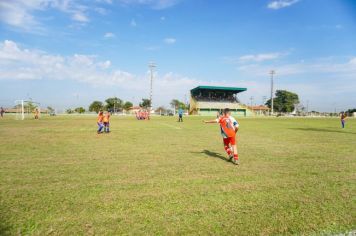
[(343, 119), (106, 121), (100, 122), (228, 126)]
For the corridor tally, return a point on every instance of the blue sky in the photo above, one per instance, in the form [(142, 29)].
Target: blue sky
[(67, 53)]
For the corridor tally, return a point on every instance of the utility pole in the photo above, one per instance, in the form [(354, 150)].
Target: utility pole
[(264, 98), (272, 74), (251, 99), (151, 65), (307, 107)]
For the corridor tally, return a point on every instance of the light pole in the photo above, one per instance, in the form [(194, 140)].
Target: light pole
[(151, 65), (251, 99), (272, 74), (264, 100)]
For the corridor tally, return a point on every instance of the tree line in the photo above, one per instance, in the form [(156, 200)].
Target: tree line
[(115, 104)]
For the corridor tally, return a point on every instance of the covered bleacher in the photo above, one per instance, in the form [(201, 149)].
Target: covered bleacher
[(208, 100)]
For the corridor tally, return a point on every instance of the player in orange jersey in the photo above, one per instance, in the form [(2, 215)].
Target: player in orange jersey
[(37, 114), (106, 122), (228, 127), (100, 122)]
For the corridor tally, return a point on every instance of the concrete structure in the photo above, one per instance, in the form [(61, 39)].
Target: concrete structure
[(260, 110), (208, 100), (134, 109)]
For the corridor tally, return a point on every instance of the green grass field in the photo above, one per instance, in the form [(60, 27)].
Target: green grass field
[(160, 177)]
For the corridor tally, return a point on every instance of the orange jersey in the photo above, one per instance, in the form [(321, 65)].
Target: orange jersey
[(100, 118), (106, 118), (227, 126)]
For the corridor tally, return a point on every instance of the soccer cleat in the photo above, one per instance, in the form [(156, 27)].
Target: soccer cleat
[(230, 157), (236, 161)]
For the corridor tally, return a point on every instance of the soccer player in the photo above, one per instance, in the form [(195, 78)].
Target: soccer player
[(228, 127), (100, 122), (37, 112), (343, 119), (106, 121), (180, 115), (2, 111)]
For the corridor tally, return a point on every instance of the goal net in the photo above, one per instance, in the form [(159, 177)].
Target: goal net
[(26, 109)]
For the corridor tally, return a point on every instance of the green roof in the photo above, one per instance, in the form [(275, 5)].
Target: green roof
[(233, 89)]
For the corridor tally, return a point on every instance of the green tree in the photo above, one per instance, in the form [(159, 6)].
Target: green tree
[(351, 111), (127, 105), (29, 106), (161, 109), (178, 104), (113, 104), (50, 109), (69, 111), (79, 110), (145, 103), (284, 101), (96, 106)]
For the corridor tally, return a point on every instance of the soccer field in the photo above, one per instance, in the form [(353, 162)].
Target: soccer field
[(161, 177)]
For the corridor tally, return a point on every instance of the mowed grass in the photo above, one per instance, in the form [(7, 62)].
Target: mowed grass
[(160, 177)]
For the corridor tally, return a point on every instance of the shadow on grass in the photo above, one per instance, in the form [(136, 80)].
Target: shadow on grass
[(323, 130), (213, 154), (5, 229)]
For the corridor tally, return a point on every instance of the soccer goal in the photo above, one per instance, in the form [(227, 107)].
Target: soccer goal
[(25, 109)]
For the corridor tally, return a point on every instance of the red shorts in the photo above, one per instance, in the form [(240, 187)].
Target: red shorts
[(229, 140)]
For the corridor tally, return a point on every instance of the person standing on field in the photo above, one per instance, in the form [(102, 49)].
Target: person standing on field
[(106, 121), (343, 119), (2, 111), (100, 122), (228, 127), (37, 114), (180, 115)]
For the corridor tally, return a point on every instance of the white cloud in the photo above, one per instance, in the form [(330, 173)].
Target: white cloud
[(152, 48), (169, 40), (109, 35), (17, 13), (101, 10), (278, 4), (163, 18), (80, 16), (323, 82), (18, 63), (353, 61), (323, 66), (133, 23), (21, 13), (259, 57), (256, 58)]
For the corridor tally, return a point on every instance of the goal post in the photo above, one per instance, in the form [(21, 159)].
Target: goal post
[(25, 109)]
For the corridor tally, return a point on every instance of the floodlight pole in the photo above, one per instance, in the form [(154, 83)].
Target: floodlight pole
[(272, 74), (251, 99), (22, 111), (151, 65)]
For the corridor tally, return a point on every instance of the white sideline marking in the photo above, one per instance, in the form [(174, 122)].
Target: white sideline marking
[(171, 126)]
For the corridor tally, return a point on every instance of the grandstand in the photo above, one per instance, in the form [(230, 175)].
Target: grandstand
[(208, 100)]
